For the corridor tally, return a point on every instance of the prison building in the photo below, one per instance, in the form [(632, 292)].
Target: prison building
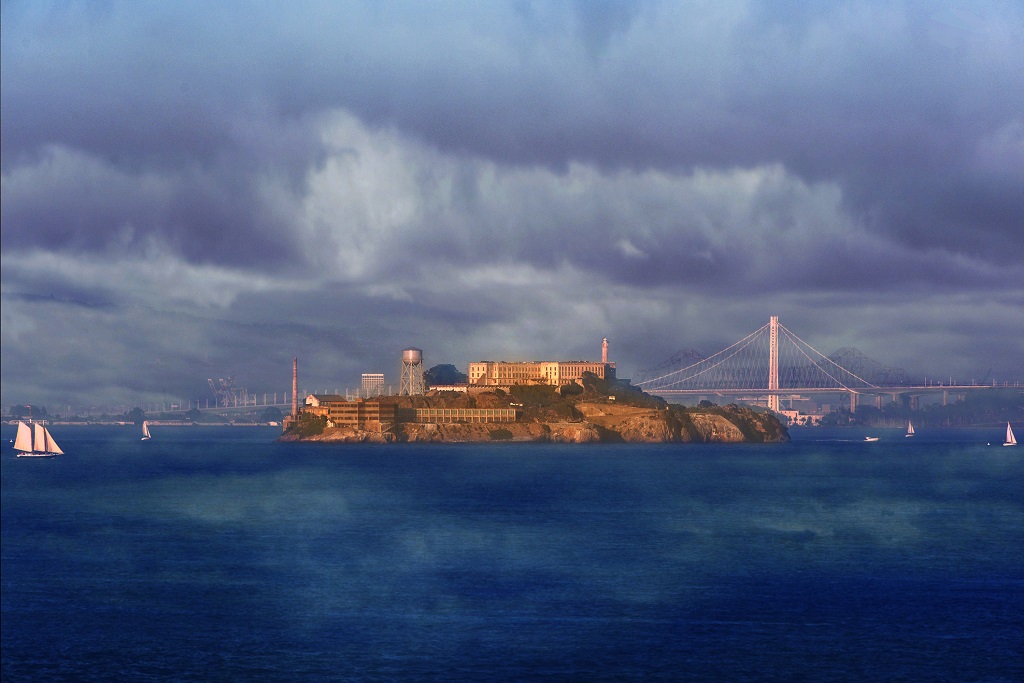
[(447, 415), (554, 373), (359, 414)]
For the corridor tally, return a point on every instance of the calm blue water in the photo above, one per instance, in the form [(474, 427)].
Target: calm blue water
[(215, 554)]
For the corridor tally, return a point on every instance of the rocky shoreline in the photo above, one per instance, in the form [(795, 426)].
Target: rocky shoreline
[(594, 421)]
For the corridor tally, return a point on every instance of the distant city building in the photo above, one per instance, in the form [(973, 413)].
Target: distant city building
[(802, 419), (373, 384)]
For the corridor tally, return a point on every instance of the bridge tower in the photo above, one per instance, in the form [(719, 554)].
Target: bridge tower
[(773, 363)]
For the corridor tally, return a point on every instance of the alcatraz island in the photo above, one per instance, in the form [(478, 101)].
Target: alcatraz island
[(548, 401)]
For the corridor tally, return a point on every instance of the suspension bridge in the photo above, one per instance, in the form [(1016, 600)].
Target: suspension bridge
[(768, 366), (773, 363)]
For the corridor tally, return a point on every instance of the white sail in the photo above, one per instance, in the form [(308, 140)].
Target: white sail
[(910, 428), (145, 430), (23, 442), (39, 443), (1011, 440), (51, 445)]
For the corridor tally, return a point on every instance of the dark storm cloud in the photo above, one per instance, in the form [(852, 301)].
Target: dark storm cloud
[(863, 95), (342, 180), (69, 202)]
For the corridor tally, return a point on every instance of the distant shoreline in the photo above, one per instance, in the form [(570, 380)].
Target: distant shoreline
[(154, 423)]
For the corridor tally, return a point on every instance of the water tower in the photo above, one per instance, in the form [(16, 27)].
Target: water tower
[(412, 372)]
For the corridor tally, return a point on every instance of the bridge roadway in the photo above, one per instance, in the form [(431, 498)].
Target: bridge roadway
[(878, 392), (149, 408), (915, 392)]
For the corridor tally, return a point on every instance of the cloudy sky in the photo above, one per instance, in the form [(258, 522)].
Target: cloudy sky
[(195, 189)]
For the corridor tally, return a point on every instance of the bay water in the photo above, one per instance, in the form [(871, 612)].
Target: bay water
[(217, 554)]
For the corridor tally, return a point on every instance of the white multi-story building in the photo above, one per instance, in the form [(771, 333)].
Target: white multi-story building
[(373, 384), (554, 373)]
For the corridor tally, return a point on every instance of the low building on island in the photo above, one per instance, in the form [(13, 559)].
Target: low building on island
[(450, 415), (375, 415), (364, 414)]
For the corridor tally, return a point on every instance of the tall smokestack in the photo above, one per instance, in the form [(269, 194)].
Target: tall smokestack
[(604, 350), (295, 387)]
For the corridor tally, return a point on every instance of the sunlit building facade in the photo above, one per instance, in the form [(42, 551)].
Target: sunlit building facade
[(553, 373), (358, 414), (373, 415)]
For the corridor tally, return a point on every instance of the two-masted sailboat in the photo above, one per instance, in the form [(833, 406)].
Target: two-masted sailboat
[(35, 442), (1011, 440)]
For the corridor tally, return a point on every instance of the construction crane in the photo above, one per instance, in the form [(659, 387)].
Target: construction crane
[(223, 391)]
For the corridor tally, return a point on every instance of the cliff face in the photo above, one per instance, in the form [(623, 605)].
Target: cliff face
[(676, 424), (601, 422), (591, 411)]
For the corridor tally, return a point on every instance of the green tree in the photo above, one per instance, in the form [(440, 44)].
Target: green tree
[(136, 415), (26, 411), (272, 414), (444, 374), (309, 425), (567, 390)]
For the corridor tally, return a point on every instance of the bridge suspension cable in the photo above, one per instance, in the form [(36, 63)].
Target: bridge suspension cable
[(769, 359), (837, 374)]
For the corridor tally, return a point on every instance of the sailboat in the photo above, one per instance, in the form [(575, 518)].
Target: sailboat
[(910, 429), (145, 431), (39, 445), (1011, 440)]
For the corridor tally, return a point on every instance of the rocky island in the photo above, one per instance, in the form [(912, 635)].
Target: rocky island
[(592, 411)]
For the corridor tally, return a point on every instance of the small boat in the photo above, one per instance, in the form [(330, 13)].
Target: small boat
[(910, 429), (35, 442), (871, 438), (146, 436), (1011, 440)]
